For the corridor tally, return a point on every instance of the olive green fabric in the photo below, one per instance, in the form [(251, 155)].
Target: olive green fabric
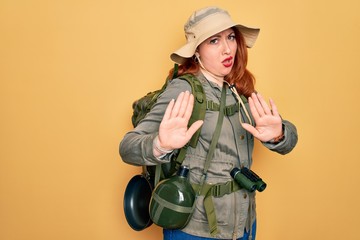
[(235, 211)]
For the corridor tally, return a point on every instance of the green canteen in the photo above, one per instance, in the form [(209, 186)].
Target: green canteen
[(171, 203)]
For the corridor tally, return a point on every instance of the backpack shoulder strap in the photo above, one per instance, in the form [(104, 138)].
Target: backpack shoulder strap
[(198, 113), (199, 109)]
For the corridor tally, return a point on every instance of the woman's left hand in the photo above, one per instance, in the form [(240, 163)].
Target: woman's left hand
[(268, 123)]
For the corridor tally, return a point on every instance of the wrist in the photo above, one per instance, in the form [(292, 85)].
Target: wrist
[(278, 138), (158, 148)]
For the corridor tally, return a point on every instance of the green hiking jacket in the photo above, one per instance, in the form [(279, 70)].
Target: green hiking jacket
[(235, 211)]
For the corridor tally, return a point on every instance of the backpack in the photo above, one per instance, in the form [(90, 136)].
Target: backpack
[(136, 202), (143, 105)]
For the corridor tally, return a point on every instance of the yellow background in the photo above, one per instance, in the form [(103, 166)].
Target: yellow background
[(70, 70)]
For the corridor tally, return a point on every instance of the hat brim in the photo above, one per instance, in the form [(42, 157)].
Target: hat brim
[(188, 50)]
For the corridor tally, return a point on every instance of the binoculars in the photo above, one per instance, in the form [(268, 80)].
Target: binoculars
[(248, 179)]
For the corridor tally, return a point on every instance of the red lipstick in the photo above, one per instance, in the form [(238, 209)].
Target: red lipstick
[(228, 62)]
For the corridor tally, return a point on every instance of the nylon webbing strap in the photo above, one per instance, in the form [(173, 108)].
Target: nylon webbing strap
[(210, 212), (180, 158), (157, 174), (198, 113), (165, 204), (229, 110), (199, 109), (170, 205), (175, 73), (217, 131), (217, 190)]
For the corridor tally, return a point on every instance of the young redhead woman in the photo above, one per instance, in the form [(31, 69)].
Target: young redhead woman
[(216, 54)]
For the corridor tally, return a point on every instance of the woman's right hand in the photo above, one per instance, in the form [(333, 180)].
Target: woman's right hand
[(173, 131)]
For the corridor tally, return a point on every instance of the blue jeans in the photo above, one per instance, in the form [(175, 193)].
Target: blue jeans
[(179, 235)]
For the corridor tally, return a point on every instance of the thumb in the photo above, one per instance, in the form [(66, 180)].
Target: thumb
[(249, 128), (194, 127)]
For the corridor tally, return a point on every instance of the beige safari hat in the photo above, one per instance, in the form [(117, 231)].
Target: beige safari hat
[(203, 24)]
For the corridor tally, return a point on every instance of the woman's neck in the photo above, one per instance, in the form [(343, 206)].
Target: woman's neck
[(212, 77)]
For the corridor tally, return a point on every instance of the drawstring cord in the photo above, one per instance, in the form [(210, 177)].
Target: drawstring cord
[(233, 89)]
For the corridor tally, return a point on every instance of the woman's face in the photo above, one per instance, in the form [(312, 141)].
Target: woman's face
[(217, 53)]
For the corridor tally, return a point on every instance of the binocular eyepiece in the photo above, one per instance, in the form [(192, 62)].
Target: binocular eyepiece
[(248, 179)]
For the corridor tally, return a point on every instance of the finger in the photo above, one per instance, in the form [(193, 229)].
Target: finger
[(253, 110), (168, 110), (250, 129), (184, 104), (189, 107), (176, 108), (194, 127), (274, 108), (257, 104), (264, 104)]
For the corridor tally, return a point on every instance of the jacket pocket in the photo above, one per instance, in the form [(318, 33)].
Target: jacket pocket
[(224, 210)]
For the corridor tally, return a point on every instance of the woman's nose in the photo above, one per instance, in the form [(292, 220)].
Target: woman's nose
[(226, 47)]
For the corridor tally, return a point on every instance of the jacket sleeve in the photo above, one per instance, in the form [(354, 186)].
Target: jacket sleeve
[(288, 143), (136, 148)]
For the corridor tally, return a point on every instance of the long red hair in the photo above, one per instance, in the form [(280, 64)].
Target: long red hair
[(239, 76)]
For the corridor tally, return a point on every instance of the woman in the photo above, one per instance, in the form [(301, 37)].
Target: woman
[(216, 53)]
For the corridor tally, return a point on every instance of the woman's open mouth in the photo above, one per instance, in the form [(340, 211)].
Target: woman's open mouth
[(228, 62)]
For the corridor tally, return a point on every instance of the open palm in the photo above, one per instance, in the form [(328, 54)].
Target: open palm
[(268, 123), (173, 131)]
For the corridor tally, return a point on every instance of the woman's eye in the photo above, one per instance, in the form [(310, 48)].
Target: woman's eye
[(213, 41), (232, 37)]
